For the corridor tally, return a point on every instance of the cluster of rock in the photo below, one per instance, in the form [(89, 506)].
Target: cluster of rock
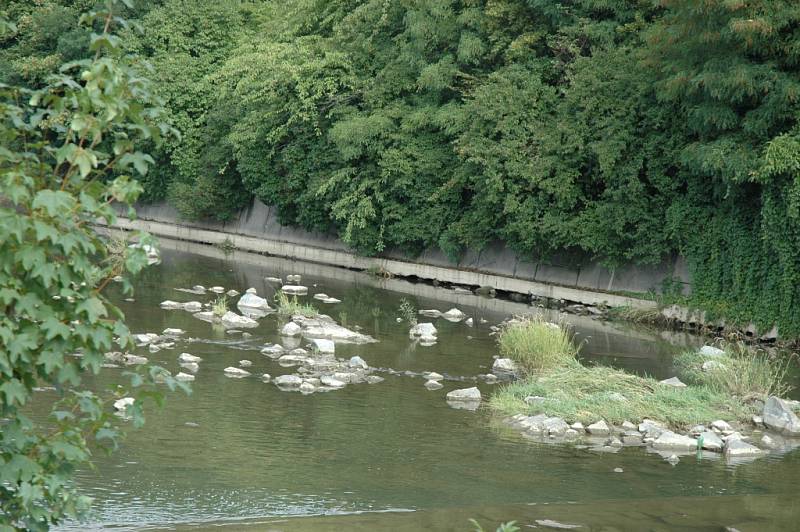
[(718, 436), (317, 370), (323, 327)]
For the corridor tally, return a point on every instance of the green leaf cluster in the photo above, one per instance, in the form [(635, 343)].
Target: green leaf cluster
[(67, 150)]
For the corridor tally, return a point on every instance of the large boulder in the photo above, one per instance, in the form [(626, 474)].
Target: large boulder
[(670, 440), (252, 301), (737, 447), (325, 328), (186, 357), (675, 382), (231, 320), (778, 415)]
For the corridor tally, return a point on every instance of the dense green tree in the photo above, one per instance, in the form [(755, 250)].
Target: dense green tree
[(57, 146)]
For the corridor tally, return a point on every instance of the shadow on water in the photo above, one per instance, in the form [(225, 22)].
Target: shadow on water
[(239, 453)]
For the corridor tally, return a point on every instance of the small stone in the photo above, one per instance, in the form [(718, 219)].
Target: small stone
[(618, 470), (672, 459), (721, 425), (332, 382), (294, 289), (357, 362), (245, 363), (758, 420), (711, 351), (433, 376), (186, 377), (288, 381), (578, 426), (186, 357), (235, 372), (231, 293), (291, 329), (627, 425), (433, 385), (191, 367), (710, 441), (307, 387), (712, 365), (673, 381), (599, 428), (454, 315), (469, 322), (122, 404), (251, 290), (266, 377), (326, 347), (374, 379), (465, 394), (174, 332), (555, 426), (504, 366), (216, 289)]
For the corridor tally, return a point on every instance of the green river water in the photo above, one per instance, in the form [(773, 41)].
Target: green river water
[(393, 455)]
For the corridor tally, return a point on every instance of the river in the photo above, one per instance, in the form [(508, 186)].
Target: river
[(242, 454)]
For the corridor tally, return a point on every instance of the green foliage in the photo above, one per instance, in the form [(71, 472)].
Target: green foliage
[(537, 345), (510, 526), (584, 394), (58, 145), (291, 306), (408, 312), (620, 131)]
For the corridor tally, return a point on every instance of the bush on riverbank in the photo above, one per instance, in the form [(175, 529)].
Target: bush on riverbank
[(566, 389), (537, 345)]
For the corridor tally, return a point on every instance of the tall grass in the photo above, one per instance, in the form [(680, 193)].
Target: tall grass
[(537, 345), (291, 307), (743, 372)]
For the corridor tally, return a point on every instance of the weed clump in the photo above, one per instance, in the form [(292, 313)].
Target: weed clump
[(292, 307), (537, 345)]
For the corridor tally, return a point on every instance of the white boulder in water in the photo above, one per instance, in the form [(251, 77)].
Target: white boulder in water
[(465, 394), (288, 381), (294, 289), (124, 403), (171, 305), (185, 377), (291, 329), (174, 332), (252, 301), (217, 289), (454, 315), (186, 357)]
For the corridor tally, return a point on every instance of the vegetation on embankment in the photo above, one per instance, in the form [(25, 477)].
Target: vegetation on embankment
[(622, 131), (574, 392)]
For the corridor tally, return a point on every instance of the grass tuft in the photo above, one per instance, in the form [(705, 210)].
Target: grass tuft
[(291, 307), (537, 345), (743, 372), (220, 306)]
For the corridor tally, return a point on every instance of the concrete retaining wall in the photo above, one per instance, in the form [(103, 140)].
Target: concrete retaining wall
[(257, 229)]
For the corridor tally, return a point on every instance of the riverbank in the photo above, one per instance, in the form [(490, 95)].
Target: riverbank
[(581, 287)]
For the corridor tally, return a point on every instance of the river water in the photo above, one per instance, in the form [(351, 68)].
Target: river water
[(242, 454)]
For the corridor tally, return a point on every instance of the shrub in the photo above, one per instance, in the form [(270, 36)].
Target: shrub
[(538, 345), (220, 306)]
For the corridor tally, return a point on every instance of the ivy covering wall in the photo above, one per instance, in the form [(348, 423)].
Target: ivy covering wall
[(623, 130)]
